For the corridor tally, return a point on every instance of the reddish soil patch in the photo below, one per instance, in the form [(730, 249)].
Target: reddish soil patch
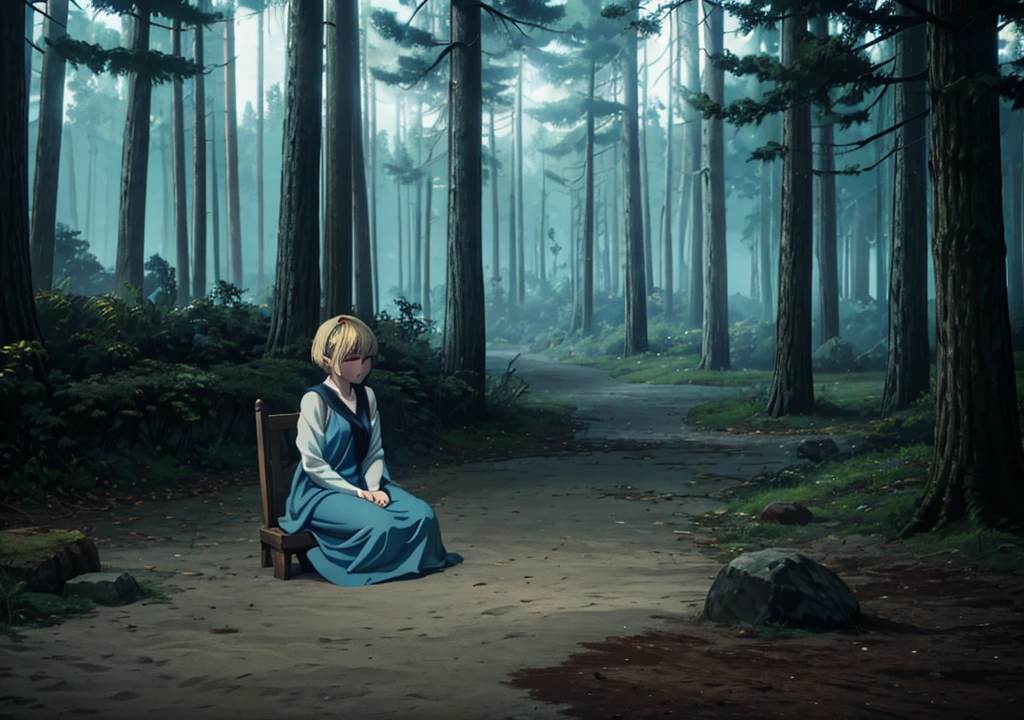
[(934, 642)]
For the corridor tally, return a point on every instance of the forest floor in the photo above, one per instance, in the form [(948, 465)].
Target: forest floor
[(586, 570)]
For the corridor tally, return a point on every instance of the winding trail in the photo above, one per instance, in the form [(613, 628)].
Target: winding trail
[(555, 555)]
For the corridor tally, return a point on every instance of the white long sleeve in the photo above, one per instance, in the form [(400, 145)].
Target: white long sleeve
[(373, 464), (311, 438)]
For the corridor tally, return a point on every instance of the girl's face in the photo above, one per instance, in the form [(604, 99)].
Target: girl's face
[(355, 367)]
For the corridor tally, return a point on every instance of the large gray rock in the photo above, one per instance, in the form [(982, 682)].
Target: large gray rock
[(780, 586), (105, 588)]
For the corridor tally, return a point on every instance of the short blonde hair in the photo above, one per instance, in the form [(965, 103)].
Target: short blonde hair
[(339, 337)]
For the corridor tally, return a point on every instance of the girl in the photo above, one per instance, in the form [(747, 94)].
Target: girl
[(369, 530)]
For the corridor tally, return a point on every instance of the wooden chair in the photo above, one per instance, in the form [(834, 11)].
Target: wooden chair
[(272, 435)]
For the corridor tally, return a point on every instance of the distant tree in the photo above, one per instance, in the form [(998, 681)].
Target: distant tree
[(231, 149), (690, 40), (144, 68), (18, 321), (908, 372), (715, 336), (636, 289), (178, 170), (296, 306), (825, 184), (48, 142)]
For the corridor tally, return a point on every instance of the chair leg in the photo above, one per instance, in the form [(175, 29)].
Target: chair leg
[(304, 562), (282, 564), (266, 561)]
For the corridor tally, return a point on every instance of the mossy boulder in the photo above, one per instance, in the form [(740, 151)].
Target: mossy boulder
[(46, 558)]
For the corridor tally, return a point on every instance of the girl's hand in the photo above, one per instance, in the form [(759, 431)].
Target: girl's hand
[(378, 497)]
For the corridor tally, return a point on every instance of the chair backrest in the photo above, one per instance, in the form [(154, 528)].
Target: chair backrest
[(276, 448)]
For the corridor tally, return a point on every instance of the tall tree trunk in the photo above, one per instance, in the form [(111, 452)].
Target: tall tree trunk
[(588, 214), (520, 232), (398, 202), (464, 332), (862, 254), (881, 174), (828, 272), (131, 225), (417, 222), (513, 265), (373, 193), (18, 319), (349, 29), (636, 287), (617, 269), (792, 390), (231, 146), (979, 461), (495, 217), (167, 182), (907, 371), (337, 268), (684, 193), (695, 299), (715, 339), (427, 211), (260, 199), (666, 263), (51, 125), (199, 166), (72, 181), (90, 176), (178, 171), (214, 181), (764, 244), (645, 181), (296, 306), (1015, 231), (543, 239)]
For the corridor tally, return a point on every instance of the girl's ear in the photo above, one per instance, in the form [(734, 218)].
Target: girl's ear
[(326, 362)]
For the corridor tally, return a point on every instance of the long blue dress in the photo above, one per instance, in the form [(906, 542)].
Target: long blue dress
[(359, 542)]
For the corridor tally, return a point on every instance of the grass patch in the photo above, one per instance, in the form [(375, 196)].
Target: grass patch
[(21, 608), (27, 549), (987, 549), (870, 494)]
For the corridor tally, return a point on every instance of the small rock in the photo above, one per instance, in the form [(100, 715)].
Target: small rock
[(817, 450), (105, 588), (780, 586), (785, 512)]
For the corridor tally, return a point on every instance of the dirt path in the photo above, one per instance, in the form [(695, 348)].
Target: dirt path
[(555, 556)]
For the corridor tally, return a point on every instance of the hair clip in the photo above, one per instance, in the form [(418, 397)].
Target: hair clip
[(341, 320)]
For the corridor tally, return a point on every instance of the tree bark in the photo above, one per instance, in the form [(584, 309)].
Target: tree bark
[(373, 193), (296, 306), (260, 199), (48, 139), (199, 166), (231, 147), (979, 460), (349, 29), (695, 289), (495, 217), (543, 240), (214, 181), (588, 214), (666, 263), (131, 225), (645, 185), (338, 211), (908, 366), (72, 180), (792, 390), (636, 287), (825, 184), (427, 212), (764, 245), (18, 319), (1015, 232), (520, 233), (416, 251), (715, 337), (178, 171), (464, 331)]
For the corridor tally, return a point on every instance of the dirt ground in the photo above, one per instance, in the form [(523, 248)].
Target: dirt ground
[(934, 642)]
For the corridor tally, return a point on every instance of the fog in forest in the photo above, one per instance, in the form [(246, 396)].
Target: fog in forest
[(552, 160)]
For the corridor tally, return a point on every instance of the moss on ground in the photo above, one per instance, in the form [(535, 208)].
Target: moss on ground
[(26, 548)]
